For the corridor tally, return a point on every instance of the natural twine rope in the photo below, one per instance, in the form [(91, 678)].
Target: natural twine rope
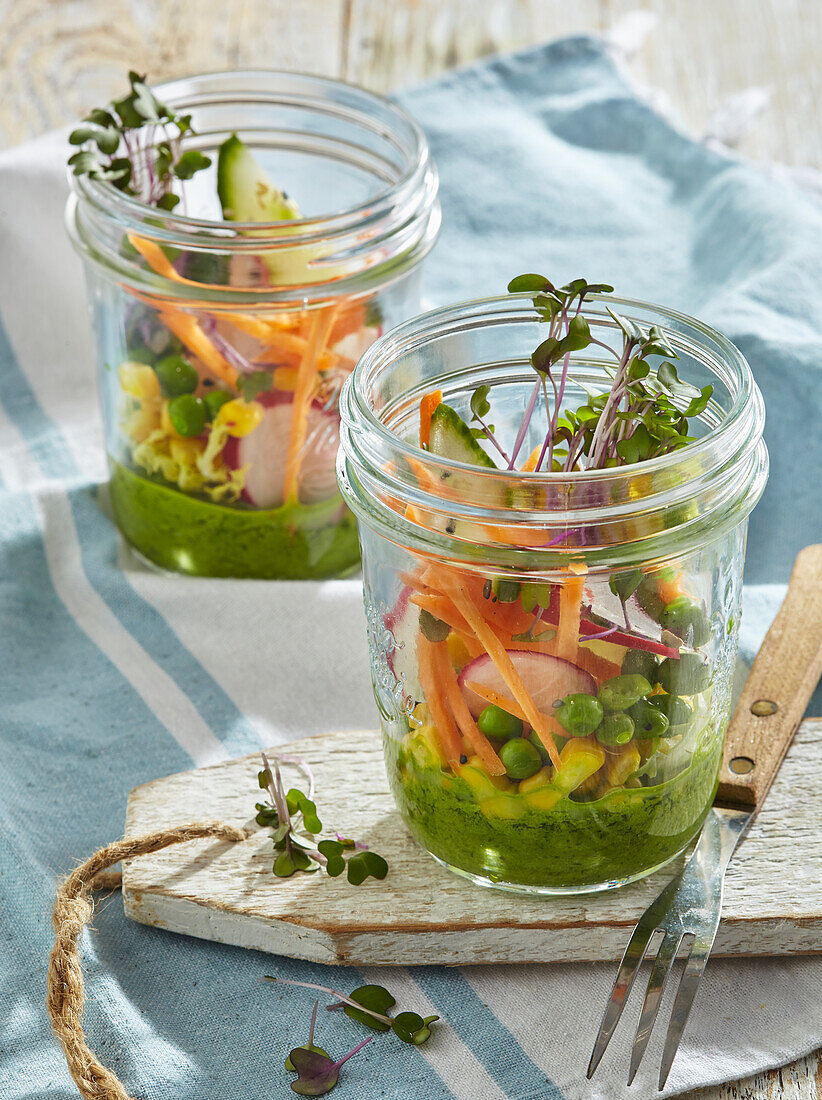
[(73, 909)]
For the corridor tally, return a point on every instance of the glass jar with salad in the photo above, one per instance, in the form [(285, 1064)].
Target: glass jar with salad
[(553, 489), (246, 236)]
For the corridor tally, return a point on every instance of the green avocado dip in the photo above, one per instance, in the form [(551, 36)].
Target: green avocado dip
[(573, 845), (189, 534)]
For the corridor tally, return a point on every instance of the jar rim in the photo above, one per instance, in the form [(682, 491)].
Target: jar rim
[(400, 219), (728, 464), (102, 192)]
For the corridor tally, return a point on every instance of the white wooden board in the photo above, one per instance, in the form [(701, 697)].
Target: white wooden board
[(422, 913)]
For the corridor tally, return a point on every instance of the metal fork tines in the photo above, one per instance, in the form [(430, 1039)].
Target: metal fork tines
[(686, 912)]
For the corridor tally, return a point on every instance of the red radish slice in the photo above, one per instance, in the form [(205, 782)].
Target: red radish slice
[(264, 451), (545, 678)]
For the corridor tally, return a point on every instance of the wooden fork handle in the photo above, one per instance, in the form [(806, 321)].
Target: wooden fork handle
[(782, 680)]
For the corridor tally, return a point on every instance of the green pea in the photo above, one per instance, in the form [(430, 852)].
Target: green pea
[(622, 692), (615, 729), (520, 758), (649, 599), (534, 738), (637, 662), (214, 400), (687, 620), (676, 710), (177, 376), (687, 675), (579, 714), (649, 721), (498, 724), (187, 413)]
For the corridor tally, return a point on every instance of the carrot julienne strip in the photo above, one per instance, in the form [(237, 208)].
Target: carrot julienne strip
[(570, 611), (427, 406), (511, 706), (187, 329), (530, 464), (465, 720), (302, 396), (437, 704), (499, 655)]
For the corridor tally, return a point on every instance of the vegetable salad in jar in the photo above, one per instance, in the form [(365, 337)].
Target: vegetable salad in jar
[(553, 536), (229, 312)]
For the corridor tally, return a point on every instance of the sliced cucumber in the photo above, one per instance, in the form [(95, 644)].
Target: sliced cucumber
[(246, 192), (451, 438)]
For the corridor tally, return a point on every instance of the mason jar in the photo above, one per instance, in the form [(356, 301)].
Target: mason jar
[(552, 653), (262, 321)]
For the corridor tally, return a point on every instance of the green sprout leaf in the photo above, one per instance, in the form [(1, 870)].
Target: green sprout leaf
[(626, 583), (252, 385), (529, 283), (374, 998), (190, 163), (479, 401)]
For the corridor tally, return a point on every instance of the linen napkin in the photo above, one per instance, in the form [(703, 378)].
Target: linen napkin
[(112, 675)]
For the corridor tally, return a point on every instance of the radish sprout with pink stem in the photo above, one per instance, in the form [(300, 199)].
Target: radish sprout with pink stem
[(292, 816), (643, 414)]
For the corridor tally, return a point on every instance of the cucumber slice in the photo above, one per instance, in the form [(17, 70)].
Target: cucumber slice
[(246, 192), (451, 438)]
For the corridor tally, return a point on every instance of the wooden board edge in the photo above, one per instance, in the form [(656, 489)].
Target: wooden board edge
[(458, 947)]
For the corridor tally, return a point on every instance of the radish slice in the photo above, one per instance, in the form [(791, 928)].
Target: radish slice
[(545, 678), (402, 622), (264, 451)]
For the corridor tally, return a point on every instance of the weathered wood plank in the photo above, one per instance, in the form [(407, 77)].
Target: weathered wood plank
[(773, 901), (61, 57)]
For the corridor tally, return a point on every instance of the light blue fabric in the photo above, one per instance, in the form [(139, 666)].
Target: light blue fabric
[(548, 162)]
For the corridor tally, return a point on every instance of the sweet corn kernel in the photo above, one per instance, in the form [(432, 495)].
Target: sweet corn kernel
[(285, 378), (457, 651), (143, 420), (534, 782), (138, 380), (239, 417), (622, 764)]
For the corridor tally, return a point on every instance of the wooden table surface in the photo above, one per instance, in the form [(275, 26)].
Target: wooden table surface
[(58, 58)]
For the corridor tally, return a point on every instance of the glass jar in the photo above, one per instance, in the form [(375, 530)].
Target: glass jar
[(261, 321), (552, 653)]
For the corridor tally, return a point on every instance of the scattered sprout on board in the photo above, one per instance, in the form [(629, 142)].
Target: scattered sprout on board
[(317, 1072), (370, 1004), (292, 817)]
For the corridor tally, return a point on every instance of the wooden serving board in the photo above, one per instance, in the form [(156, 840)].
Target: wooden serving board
[(422, 913)]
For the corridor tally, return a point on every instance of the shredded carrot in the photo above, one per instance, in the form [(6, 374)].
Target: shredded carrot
[(187, 329), (511, 706), (251, 324), (596, 666), (530, 464), (309, 365), (497, 700), (350, 318), (427, 406), (465, 720), (437, 704), (671, 590), (499, 655), (441, 608), (287, 345), (570, 611)]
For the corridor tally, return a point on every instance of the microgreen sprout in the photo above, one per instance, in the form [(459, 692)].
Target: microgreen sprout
[(316, 1070), (643, 414), (292, 817), (369, 1004), (135, 144)]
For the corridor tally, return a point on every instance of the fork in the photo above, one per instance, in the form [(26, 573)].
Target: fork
[(784, 675)]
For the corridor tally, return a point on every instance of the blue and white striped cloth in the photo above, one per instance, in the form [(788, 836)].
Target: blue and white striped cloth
[(111, 675)]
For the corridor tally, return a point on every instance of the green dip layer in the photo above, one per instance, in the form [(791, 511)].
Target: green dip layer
[(620, 836), (189, 534)]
